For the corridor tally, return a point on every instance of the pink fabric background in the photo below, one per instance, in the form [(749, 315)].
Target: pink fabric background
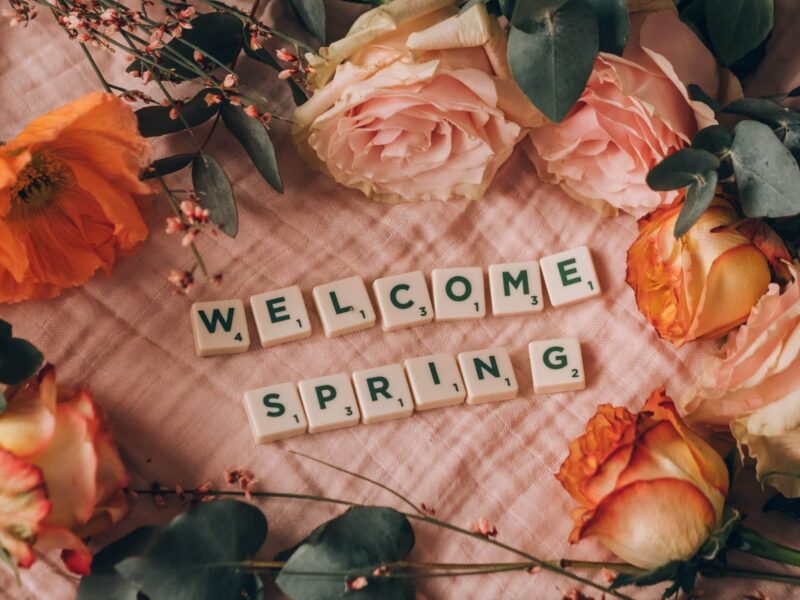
[(178, 418)]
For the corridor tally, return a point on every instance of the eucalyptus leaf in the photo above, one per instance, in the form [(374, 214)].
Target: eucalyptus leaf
[(355, 543), (766, 111), (767, 176), (156, 120), (614, 24), (791, 139), (3, 402), (105, 583), (253, 137), (168, 164), (216, 34), (262, 55), (714, 138), (312, 15), (682, 168), (186, 558), (19, 359), (214, 191), (738, 26), (698, 198), (552, 57), (5, 329)]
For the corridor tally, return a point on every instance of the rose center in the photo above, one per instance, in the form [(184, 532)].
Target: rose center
[(39, 185)]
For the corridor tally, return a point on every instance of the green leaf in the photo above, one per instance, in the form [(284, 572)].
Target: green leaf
[(253, 137), (698, 198), (737, 26), (214, 192), (681, 574), (167, 165), (766, 111), (551, 58), (312, 16), (105, 583), (3, 402), (183, 560), (19, 359), (356, 543), (5, 557), (5, 329), (614, 24), (261, 55), (767, 176), (787, 506), (156, 120), (217, 34), (714, 138), (681, 168)]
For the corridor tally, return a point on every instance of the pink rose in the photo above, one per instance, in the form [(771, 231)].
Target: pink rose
[(415, 103), (754, 387), (634, 111)]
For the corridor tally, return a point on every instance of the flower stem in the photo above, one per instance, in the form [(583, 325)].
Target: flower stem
[(752, 542), (95, 68)]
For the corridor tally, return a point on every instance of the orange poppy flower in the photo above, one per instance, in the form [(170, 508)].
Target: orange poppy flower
[(68, 188)]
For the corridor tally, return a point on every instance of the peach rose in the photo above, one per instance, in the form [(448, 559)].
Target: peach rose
[(705, 283), (61, 477), (649, 489), (754, 387), (634, 111), (415, 103)]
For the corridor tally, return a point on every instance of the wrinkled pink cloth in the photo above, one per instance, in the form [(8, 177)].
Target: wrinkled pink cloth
[(179, 419)]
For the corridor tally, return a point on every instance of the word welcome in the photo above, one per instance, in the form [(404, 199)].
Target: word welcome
[(394, 391), (344, 306)]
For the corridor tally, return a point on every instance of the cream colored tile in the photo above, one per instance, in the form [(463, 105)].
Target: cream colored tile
[(516, 288), (458, 293), (344, 306), (557, 365), (488, 375), (570, 276), (280, 316), (435, 381), (403, 300), (329, 402), (383, 394), (275, 412), (219, 327)]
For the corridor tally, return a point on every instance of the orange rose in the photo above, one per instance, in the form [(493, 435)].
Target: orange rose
[(61, 477), (68, 184), (703, 284), (649, 489)]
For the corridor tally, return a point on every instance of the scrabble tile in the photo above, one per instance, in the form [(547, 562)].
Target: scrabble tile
[(344, 306), (557, 365), (570, 276), (488, 375), (280, 316), (219, 327), (435, 381), (383, 394), (516, 288), (275, 412), (329, 402), (458, 293), (403, 300)]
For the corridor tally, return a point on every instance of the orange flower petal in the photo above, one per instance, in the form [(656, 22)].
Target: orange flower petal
[(28, 422), (23, 506), (69, 464), (649, 523), (74, 553)]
